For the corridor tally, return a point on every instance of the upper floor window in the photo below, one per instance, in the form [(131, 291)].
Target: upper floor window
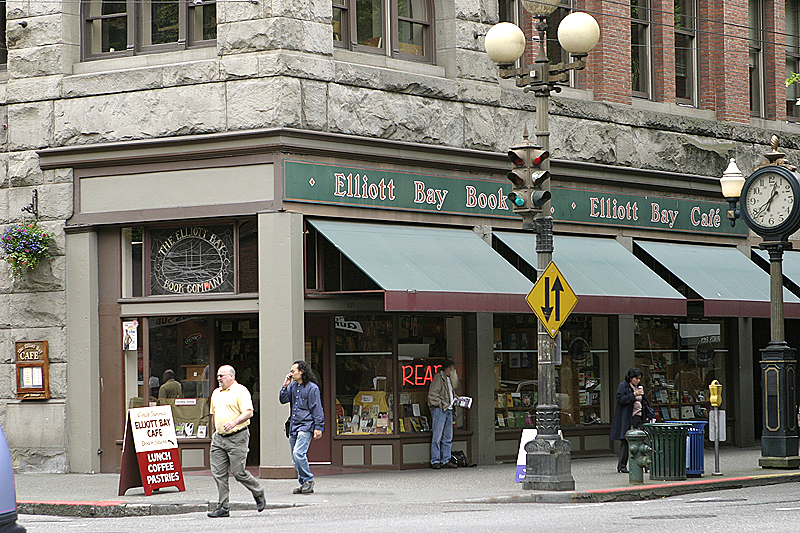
[(685, 51), (756, 39), (3, 49), (555, 53), (792, 57), (508, 11), (640, 47), (117, 28), (395, 28)]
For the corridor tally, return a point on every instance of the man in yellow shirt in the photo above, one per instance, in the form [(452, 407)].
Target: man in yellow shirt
[(232, 409)]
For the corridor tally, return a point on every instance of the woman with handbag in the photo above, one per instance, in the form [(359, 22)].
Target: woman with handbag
[(629, 413)]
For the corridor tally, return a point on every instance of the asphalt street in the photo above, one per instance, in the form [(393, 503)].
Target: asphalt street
[(774, 508)]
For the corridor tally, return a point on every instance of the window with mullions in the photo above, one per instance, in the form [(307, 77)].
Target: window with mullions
[(640, 48), (118, 28), (685, 51), (792, 57), (361, 25), (508, 11), (756, 39), (555, 53), (3, 49)]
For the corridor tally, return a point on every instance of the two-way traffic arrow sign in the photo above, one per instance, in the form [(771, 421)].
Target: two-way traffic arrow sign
[(552, 299)]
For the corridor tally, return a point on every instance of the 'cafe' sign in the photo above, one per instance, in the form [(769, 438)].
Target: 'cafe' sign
[(385, 189)]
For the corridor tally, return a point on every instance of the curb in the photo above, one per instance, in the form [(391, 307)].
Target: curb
[(640, 492), (119, 509)]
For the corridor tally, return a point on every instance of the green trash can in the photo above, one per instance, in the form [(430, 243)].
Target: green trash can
[(668, 450)]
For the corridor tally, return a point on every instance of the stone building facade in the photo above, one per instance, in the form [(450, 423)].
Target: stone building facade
[(275, 72)]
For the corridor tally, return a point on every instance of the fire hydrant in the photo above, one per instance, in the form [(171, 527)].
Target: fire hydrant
[(639, 458)]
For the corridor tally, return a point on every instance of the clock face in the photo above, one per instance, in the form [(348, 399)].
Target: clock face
[(769, 200)]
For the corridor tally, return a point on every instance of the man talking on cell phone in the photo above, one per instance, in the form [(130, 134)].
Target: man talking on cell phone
[(307, 419)]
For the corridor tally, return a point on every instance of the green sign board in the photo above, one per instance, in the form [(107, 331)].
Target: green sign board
[(652, 212), (388, 189)]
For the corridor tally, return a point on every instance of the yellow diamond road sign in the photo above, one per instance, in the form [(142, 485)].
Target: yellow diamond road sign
[(552, 299)]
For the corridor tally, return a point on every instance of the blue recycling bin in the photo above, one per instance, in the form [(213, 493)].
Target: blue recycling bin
[(695, 449)]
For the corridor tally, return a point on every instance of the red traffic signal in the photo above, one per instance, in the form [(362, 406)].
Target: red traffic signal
[(538, 156)]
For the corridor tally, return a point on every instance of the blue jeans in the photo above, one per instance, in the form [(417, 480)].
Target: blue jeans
[(442, 443), (299, 444)]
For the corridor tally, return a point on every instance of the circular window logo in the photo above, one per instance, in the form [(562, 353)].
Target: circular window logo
[(192, 261)]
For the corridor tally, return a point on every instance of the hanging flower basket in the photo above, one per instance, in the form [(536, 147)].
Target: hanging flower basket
[(25, 245)]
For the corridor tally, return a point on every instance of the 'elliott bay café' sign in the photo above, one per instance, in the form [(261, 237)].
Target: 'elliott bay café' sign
[(385, 189)]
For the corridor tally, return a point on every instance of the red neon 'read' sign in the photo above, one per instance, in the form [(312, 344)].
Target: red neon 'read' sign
[(419, 375)]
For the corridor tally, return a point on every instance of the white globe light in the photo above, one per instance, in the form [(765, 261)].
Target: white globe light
[(504, 43), (578, 33)]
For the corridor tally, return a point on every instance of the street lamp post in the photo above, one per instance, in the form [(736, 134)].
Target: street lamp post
[(768, 201), (548, 456)]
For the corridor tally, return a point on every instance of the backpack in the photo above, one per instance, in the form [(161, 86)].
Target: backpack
[(460, 458)]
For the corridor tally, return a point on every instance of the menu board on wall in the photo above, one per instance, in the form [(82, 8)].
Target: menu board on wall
[(33, 368)]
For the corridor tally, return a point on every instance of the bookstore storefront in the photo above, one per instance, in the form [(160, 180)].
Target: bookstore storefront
[(375, 271)]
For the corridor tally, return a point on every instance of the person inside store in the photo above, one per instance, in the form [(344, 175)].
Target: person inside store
[(231, 409), (307, 420), (170, 388), (154, 386), (628, 413), (440, 400)]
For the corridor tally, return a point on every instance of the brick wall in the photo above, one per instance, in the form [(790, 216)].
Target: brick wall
[(722, 56)]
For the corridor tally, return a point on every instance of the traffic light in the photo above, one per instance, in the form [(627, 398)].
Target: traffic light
[(526, 178), (519, 176)]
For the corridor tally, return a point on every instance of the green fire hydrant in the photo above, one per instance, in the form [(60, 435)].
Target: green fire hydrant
[(639, 458)]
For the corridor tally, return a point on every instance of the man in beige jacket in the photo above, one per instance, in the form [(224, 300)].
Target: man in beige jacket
[(440, 401)]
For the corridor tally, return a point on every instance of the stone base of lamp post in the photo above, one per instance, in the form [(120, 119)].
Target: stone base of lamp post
[(547, 462), (779, 439), (547, 465)]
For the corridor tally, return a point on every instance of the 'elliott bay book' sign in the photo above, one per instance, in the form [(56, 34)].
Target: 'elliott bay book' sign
[(387, 189)]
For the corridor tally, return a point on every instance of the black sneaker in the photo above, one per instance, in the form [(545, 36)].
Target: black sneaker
[(297, 490), (436, 466), (449, 464), (261, 501), (219, 512), (307, 488)]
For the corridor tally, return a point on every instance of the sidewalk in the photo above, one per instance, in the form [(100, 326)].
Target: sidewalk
[(596, 480)]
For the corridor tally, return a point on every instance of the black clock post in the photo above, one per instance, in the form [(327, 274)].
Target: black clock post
[(770, 206), (779, 439)]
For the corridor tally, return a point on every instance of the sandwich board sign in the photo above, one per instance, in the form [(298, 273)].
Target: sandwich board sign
[(150, 457)]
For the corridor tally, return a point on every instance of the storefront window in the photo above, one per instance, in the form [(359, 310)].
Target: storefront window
[(679, 360), (364, 380), (180, 344), (423, 342), (184, 353), (580, 376), (180, 349), (366, 366)]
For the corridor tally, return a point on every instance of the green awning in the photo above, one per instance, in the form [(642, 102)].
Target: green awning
[(430, 269), (607, 278), (728, 281)]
